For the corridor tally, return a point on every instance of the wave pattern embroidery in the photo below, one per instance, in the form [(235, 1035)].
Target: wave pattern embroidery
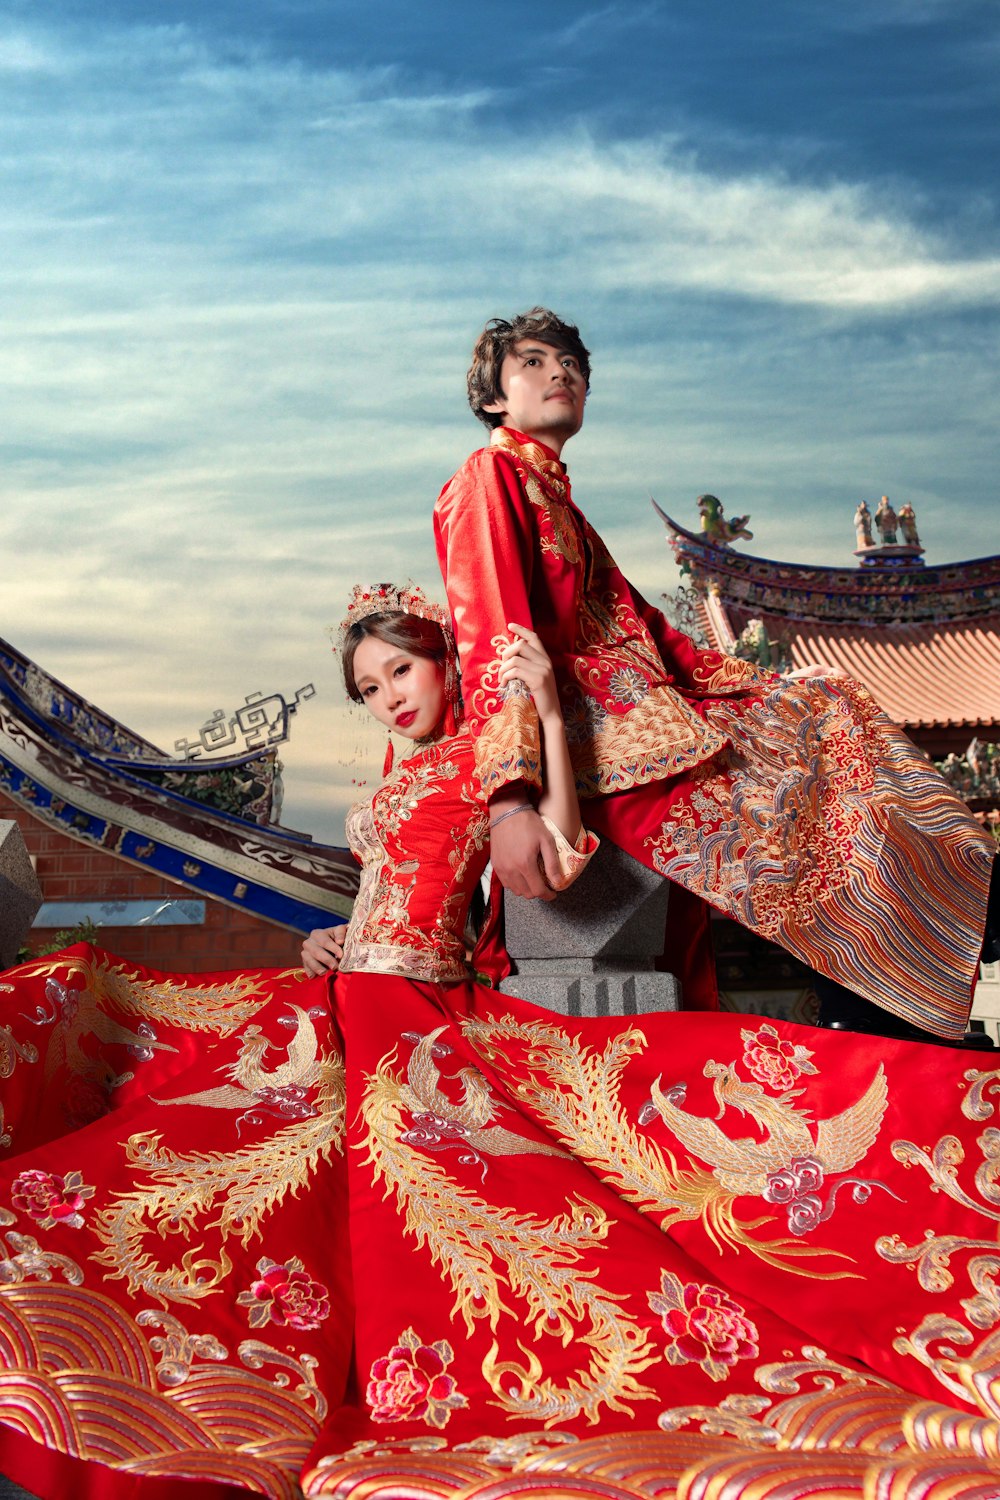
[(83, 1377), (823, 829)]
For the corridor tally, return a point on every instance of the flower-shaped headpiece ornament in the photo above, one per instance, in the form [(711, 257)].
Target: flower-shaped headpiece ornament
[(386, 598)]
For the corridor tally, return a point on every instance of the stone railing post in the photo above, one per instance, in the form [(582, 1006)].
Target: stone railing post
[(20, 893), (591, 951)]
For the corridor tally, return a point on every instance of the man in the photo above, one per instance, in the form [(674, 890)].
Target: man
[(793, 807)]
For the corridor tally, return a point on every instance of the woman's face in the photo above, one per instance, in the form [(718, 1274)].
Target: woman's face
[(404, 692)]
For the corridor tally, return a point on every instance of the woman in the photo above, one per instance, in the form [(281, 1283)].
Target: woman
[(401, 665), (403, 1236)]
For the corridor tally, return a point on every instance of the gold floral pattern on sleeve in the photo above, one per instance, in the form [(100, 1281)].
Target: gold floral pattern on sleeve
[(627, 723), (729, 674)]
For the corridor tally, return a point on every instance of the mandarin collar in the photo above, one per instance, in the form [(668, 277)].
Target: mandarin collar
[(523, 440)]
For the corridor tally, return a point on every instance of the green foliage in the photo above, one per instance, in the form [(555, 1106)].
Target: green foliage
[(975, 776), (84, 932)]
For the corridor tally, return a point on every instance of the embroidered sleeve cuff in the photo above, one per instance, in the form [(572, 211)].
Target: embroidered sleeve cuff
[(573, 858), (508, 746)]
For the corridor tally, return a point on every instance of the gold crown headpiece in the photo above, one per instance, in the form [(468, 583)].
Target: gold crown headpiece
[(387, 598)]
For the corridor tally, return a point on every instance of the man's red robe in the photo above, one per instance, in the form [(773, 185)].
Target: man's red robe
[(795, 808)]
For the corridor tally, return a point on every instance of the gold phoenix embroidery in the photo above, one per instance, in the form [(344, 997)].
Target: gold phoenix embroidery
[(472, 1239), (219, 1007), (576, 1090), (244, 1185)]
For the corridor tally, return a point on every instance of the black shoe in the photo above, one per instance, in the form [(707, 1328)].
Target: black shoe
[(840, 1009)]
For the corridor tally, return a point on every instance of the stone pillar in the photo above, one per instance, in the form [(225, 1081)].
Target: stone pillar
[(590, 952), (11, 1491), (20, 893)]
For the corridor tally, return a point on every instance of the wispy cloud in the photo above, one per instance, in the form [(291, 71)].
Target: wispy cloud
[(291, 171), (866, 15), (594, 27)]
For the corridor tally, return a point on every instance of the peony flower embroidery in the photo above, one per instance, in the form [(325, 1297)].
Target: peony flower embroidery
[(772, 1061), (49, 1199), (410, 1383), (285, 1295), (704, 1326)]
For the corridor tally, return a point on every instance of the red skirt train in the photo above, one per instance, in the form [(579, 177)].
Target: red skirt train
[(375, 1237)]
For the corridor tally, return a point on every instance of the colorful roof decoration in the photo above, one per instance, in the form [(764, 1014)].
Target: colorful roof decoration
[(203, 823), (924, 640)]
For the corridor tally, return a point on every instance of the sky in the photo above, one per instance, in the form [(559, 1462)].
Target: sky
[(245, 250)]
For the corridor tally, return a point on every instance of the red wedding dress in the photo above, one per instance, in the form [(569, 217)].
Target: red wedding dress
[(394, 1236)]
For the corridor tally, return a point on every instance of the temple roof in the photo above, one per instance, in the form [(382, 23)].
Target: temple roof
[(925, 641), (863, 596), (74, 766)]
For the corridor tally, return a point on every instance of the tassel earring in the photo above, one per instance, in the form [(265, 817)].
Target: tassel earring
[(387, 763), (452, 698)]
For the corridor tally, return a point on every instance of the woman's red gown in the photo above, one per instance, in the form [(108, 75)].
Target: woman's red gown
[(393, 1236)]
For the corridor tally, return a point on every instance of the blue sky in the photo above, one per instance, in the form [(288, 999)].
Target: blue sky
[(244, 251)]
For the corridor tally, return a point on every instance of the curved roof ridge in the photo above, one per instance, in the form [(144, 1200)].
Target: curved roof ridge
[(66, 712), (865, 596), (79, 770)]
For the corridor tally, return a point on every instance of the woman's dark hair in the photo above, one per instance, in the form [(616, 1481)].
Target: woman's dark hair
[(498, 339), (406, 632)]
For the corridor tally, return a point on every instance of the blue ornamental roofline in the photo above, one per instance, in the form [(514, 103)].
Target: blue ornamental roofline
[(202, 823)]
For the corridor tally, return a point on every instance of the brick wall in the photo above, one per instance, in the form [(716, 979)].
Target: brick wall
[(68, 870)]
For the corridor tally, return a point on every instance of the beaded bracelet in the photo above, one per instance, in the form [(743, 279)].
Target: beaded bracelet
[(521, 807)]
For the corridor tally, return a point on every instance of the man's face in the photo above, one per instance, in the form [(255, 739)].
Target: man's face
[(544, 392)]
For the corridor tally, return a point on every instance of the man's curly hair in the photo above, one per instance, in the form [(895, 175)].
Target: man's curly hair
[(498, 339)]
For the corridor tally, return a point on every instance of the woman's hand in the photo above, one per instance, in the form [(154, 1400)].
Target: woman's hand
[(323, 949), (526, 658), (522, 849)]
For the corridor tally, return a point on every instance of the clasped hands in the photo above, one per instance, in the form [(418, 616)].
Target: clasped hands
[(323, 949)]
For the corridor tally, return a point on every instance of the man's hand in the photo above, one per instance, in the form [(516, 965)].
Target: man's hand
[(521, 847), (323, 949)]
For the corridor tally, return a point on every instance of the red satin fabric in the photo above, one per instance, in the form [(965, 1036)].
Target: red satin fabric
[(324, 1235), (513, 547)]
